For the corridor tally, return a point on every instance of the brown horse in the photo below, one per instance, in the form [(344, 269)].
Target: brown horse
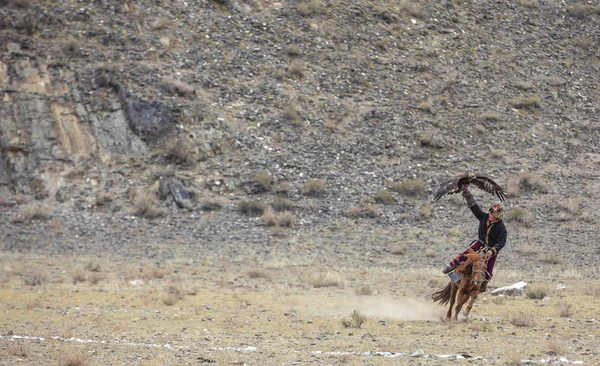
[(473, 274)]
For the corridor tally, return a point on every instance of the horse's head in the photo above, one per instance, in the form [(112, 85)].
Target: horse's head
[(479, 266)]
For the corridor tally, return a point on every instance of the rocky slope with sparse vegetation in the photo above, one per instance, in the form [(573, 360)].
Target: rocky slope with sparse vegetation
[(310, 132)]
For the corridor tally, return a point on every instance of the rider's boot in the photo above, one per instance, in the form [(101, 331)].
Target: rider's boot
[(448, 269), (483, 287)]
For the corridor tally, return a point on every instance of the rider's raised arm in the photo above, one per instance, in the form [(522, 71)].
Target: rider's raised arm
[(473, 205)]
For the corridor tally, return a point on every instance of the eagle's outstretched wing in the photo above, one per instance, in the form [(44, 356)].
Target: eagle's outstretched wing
[(452, 186), (487, 184), (458, 183)]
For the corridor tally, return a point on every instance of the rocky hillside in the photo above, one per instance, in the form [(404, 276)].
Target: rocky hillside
[(312, 107)]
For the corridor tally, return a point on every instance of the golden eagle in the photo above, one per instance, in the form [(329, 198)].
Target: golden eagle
[(458, 184)]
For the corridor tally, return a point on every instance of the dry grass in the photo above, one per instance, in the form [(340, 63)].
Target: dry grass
[(426, 106), (536, 292), (283, 219), (293, 50), (425, 211), (385, 197), (145, 205), (257, 273), (532, 4), (35, 279), (526, 102), (412, 8), (572, 205), (530, 181), (519, 215), (410, 187), (264, 181), (281, 204), (368, 211), (522, 319), (564, 310), (73, 359), (580, 11), (17, 350), (31, 212), (179, 150), (174, 86), (483, 326), (363, 291), (310, 8), (252, 207), (550, 258), (356, 320), (297, 69), (323, 278), (489, 116), (398, 249), (314, 188)]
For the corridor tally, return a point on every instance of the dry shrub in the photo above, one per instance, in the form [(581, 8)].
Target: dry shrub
[(528, 3), (412, 8), (257, 273), (293, 50), (555, 347), (283, 219), (530, 181), (297, 69), (425, 211), (92, 267), (356, 320), (514, 358), (364, 291), (281, 204), (103, 198), (154, 273), (480, 129), (489, 116), (426, 106), (368, 211), (580, 11), (32, 211), (519, 215), (398, 249), (264, 181), (252, 207), (522, 319), (572, 205), (72, 48), (526, 250), (17, 350), (292, 115), (73, 359), (523, 85), (310, 8), (96, 278), (410, 187), (314, 188), (210, 205), (565, 310), (430, 140), (174, 86), (35, 279), (483, 326), (78, 278), (536, 292), (526, 102), (550, 258), (145, 206), (324, 278), (283, 188), (179, 150), (499, 300), (385, 197), (584, 43)]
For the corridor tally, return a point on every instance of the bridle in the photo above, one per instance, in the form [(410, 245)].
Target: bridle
[(482, 270)]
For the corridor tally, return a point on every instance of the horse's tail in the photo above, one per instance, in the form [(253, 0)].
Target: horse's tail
[(443, 296)]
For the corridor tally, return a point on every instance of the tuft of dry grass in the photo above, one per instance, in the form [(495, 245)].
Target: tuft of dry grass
[(572, 205), (550, 258), (310, 8), (580, 11), (483, 326), (35, 279), (522, 319), (385, 197), (426, 106), (145, 206), (283, 219), (293, 50), (425, 211), (526, 102), (174, 86), (530, 181), (363, 291), (412, 8), (73, 359), (323, 278), (564, 310), (314, 188), (179, 150), (555, 347), (297, 69), (519, 215), (410, 187), (489, 116), (398, 249), (292, 114), (264, 180), (536, 292), (356, 320), (31, 212), (368, 211), (252, 207), (17, 350), (529, 3), (257, 273), (281, 204)]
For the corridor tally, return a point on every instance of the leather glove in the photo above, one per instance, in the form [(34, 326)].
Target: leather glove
[(465, 192)]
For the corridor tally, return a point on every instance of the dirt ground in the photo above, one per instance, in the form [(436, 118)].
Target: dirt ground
[(75, 310)]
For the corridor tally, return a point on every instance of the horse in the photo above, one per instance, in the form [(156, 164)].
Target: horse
[(473, 273)]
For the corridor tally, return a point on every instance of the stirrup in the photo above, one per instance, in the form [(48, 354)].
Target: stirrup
[(448, 269)]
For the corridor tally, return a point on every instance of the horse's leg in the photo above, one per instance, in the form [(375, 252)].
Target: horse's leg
[(459, 303), (470, 306), (453, 290)]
